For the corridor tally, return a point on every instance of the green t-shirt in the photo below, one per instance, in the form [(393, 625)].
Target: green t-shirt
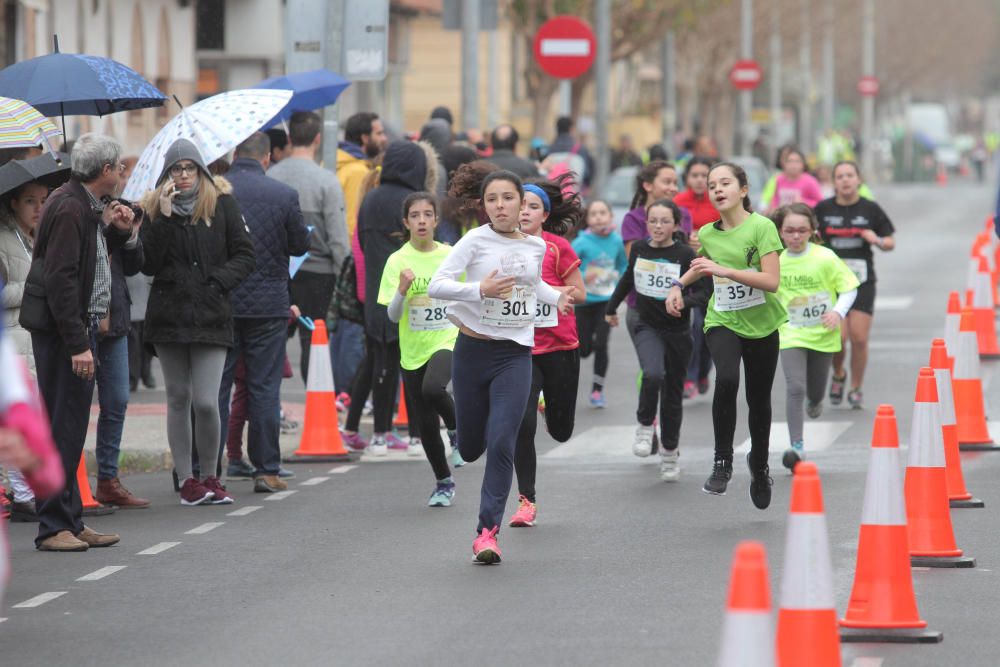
[(747, 312), (424, 328), (810, 285)]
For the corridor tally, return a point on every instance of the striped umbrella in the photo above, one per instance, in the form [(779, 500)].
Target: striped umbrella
[(21, 126)]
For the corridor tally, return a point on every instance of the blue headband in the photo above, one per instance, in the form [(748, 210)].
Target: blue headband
[(535, 190)]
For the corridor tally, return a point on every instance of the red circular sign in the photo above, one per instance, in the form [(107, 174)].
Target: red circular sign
[(746, 75), (565, 47), (868, 86)]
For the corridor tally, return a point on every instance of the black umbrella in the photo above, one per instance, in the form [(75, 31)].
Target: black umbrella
[(43, 169)]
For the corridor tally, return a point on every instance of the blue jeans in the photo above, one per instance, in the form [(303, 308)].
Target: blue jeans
[(347, 348), (112, 395), (261, 342)]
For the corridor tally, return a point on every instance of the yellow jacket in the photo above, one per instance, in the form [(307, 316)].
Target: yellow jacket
[(351, 171)]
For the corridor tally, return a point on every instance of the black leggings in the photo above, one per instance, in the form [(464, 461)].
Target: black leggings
[(556, 374), (378, 374), (594, 331), (663, 358), (760, 360), (427, 398)]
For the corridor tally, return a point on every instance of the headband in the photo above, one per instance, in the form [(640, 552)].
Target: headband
[(537, 191)]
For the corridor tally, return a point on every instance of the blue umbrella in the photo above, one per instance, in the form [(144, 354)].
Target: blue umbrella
[(310, 90), (78, 84)]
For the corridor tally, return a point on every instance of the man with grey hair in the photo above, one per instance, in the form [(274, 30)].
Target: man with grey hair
[(261, 308), (79, 229)]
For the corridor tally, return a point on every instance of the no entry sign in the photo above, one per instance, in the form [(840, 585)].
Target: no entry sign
[(868, 86), (746, 75), (565, 47)]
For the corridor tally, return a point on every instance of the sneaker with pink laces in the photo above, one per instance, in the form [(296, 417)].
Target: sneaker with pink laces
[(690, 389), (354, 441), (395, 443), (193, 492), (222, 497), (485, 547), (525, 514)]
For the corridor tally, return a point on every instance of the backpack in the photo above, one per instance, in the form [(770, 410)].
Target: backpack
[(344, 304), (556, 164)]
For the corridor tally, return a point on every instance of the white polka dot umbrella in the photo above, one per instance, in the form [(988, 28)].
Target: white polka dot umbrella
[(215, 125)]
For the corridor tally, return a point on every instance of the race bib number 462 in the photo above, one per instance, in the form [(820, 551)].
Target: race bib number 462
[(653, 279), (808, 310), (730, 295), (518, 310), (427, 314)]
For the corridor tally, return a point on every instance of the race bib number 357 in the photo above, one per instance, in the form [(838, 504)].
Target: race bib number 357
[(518, 310), (731, 295)]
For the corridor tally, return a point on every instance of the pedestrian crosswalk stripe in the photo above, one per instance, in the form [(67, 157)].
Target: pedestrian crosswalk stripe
[(39, 600), (157, 548), (204, 528), (817, 435), (597, 444), (103, 572)]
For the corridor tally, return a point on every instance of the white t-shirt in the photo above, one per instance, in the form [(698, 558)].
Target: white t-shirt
[(480, 252)]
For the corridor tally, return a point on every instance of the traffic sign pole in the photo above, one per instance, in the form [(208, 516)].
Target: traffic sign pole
[(746, 96), (868, 101)]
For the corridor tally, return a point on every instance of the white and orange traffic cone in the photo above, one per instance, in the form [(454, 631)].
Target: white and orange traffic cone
[(882, 606), (958, 495), (807, 618), (983, 309), (967, 386), (747, 635), (928, 515), (321, 441), (90, 505), (952, 319)]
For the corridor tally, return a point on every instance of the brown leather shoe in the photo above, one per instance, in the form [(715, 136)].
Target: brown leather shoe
[(268, 484), (62, 541), (111, 492), (95, 539)]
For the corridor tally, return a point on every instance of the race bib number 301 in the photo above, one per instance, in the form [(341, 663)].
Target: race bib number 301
[(731, 295), (808, 310), (518, 310), (653, 279), (427, 314)]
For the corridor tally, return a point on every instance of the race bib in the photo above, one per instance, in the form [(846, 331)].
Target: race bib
[(518, 310), (600, 280), (731, 295), (427, 314), (546, 315), (653, 279), (808, 310), (859, 267)]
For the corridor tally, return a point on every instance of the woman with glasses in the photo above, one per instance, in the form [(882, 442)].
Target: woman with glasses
[(197, 250)]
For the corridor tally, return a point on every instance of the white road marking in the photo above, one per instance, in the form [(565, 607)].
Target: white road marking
[(204, 528), (157, 548), (339, 470), (893, 303), (598, 444), (281, 495), (313, 481), (39, 600), (103, 572), (243, 511), (3, 619), (889, 344), (866, 662), (817, 435)]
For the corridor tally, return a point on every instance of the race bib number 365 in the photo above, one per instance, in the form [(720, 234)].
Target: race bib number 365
[(653, 279), (427, 314), (731, 295), (518, 310)]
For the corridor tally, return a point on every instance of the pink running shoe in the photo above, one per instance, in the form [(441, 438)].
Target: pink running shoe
[(690, 389), (354, 441), (485, 547), (525, 514), (395, 443)]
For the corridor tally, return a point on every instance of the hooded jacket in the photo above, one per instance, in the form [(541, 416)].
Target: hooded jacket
[(437, 133), (352, 167), (405, 170), (195, 265)]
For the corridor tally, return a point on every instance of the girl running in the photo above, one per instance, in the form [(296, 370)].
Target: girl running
[(662, 341), (851, 225), (494, 310), (657, 180), (817, 289), (740, 252), (794, 183), (426, 336), (549, 210), (602, 262), (695, 199)]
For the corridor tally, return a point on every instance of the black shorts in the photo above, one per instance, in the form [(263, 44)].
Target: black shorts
[(865, 301)]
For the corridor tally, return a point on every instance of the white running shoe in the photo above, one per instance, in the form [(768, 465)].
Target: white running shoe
[(670, 469), (378, 446), (643, 445), (415, 447)]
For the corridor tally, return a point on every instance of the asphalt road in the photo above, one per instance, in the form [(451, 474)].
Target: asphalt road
[(351, 567)]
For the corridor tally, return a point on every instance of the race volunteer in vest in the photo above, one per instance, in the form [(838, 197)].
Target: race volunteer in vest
[(495, 311), (850, 225), (740, 252)]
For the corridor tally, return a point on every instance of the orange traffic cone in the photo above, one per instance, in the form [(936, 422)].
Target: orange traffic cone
[(90, 505), (402, 417), (320, 431), (747, 638), (970, 410), (958, 495), (951, 322), (986, 249), (882, 606), (983, 309), (807, 620), (928, 516)]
